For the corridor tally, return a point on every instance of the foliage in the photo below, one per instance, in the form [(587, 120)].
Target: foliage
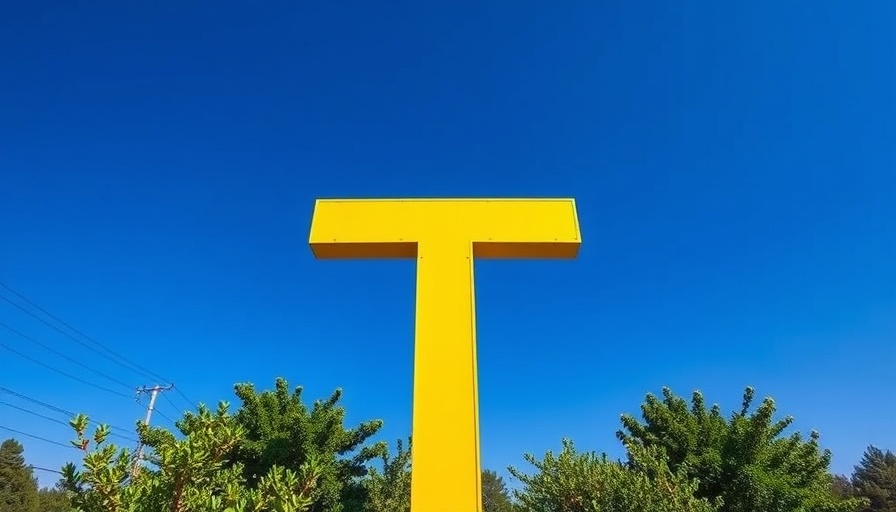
[(587, 482), (743, 460), (495, 497), (280, 430), (55, 499), (389, 489), (875, 479), (18, 488), (842, 488), (185, 475), (277, 455)]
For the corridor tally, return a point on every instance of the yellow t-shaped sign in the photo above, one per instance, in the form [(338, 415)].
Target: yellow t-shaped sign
[(445, 235)]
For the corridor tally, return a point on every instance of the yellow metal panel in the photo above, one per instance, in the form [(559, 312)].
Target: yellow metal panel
[(445, 235), (446, 469), (550, 222)]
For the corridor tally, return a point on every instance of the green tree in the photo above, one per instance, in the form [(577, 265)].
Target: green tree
[(281, 430), (744, 459), (389, 489), (191, 474), (18, 487), (875, 478), (495, 497), (841, 487), (55, 499), (588, 482)]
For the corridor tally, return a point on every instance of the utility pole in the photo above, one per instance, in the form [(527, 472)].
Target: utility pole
[(153, 393)]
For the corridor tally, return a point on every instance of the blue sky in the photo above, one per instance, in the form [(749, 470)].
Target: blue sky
[(733, 165)]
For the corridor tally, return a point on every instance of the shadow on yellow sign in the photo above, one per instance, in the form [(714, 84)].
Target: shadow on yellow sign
[(445, 235)]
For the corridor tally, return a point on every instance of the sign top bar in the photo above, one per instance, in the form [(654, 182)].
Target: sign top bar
[(497, 228)]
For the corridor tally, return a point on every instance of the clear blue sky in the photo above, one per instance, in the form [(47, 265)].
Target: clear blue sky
[(734, 165)]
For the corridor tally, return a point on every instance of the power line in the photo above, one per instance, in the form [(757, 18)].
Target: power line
[(54, 408), (57, 329), (26, 434), (133, 366), (170, 401), (162, 414), (38, 402), (185, 397), (54, 420), (60, 372), (68, 358), (48, 470)]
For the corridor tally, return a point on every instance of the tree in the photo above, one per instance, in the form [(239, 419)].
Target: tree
[(743, 460), (280, 430), (389, 489), (875, 478), (587, 482), (841, 487), (18, 487), (495, 497), (185, 475), (54, 499)]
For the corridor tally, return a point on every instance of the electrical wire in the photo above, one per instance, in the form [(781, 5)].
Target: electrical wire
[(133, 366), (60, 372), (156, 411), (170, 401), (26, 434), (130, 364), (54, 420), (38, 402), (162, 414), (54, 408), (185, 397), (48, 470), (39, 415), (68, 358)]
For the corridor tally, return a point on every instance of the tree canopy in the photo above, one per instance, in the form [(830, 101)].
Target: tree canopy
[(280, 430), (495, 497), (745, 460), (192, 474), (55, 499), (18, 488), (875, 479), (588, 482), (389, 489)]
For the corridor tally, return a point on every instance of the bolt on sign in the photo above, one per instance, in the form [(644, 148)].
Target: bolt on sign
[(445, 236)]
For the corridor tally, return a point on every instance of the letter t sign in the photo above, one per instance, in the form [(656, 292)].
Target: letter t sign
[(445, 236)]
